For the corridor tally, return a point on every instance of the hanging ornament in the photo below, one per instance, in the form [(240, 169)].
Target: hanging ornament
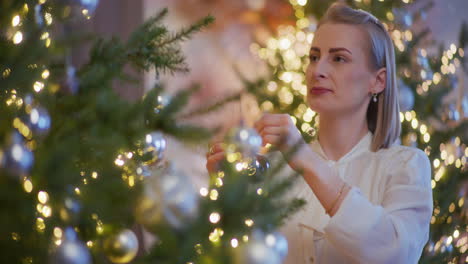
[(148, 211), (17, 158), (39, 121), (405, 97), (180, 199), (257, 168), (162, 100), (154, 148), (168, 195), (256, 251), (278, 243), (244, 140), (71, 250), (121, 247)]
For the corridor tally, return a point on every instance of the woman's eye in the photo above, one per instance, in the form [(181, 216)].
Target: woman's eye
[(339, 59), (313, 57)]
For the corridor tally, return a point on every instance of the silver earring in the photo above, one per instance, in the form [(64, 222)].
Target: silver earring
[(374, 98)]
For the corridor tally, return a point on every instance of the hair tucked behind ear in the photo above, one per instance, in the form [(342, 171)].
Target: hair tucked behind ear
[(383, 118)]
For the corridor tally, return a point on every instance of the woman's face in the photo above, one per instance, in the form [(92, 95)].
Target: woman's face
[(339, 79)]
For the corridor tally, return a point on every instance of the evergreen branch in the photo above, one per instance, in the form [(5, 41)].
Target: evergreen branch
[(179, 101), (185, 34)]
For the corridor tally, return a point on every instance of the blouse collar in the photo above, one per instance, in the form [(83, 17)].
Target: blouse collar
[(363, 145)]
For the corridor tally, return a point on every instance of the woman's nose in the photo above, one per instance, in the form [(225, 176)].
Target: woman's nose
[(320, 69)]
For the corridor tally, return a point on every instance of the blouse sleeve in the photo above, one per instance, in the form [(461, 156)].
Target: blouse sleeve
[(397, 230)]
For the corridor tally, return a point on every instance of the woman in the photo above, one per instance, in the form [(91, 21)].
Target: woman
[(369, 199)]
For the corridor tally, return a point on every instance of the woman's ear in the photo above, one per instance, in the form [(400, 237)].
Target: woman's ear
[(380, 80)]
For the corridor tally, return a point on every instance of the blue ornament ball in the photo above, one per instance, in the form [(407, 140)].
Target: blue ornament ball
[(18, 159), (39, 121), (279, 243), (71, 250)]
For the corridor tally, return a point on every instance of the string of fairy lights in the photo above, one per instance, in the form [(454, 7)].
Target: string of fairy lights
[(291, 45), (44, 209)]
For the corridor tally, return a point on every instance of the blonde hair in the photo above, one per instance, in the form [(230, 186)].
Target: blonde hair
[(383, 118)]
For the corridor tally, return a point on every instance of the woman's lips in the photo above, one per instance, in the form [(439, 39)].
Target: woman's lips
[(320, 90)]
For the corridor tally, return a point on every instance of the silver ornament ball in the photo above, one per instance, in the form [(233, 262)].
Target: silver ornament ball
[(169, 196), (257, 252), (162, 100), (278, 243), (244, 140), (121, 247), (257, 168), (154, 147), (180, 199)]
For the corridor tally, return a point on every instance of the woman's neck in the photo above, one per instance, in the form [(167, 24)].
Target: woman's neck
[(337, 136)]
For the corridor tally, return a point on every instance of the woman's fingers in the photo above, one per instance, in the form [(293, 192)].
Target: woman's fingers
[(272, 135), (214, 148), (275, 120), (274, 140), (212, 162), (271, 130)]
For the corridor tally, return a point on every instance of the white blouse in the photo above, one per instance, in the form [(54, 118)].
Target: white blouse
[(384, 218)]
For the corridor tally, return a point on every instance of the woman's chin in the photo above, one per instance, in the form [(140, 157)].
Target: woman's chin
[(318, 107)]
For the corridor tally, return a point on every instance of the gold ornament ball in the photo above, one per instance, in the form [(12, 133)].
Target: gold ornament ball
[(121, 247), (149, 208)]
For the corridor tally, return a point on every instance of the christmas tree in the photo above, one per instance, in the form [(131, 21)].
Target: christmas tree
[(426, 72), (83, 178)]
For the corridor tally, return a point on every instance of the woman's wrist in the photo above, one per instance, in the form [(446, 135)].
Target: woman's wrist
[(338, 196), (301, 159), (325, 182), (340, 200)]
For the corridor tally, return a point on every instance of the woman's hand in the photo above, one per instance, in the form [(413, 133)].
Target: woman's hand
[(214, 156), (280, 131)]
